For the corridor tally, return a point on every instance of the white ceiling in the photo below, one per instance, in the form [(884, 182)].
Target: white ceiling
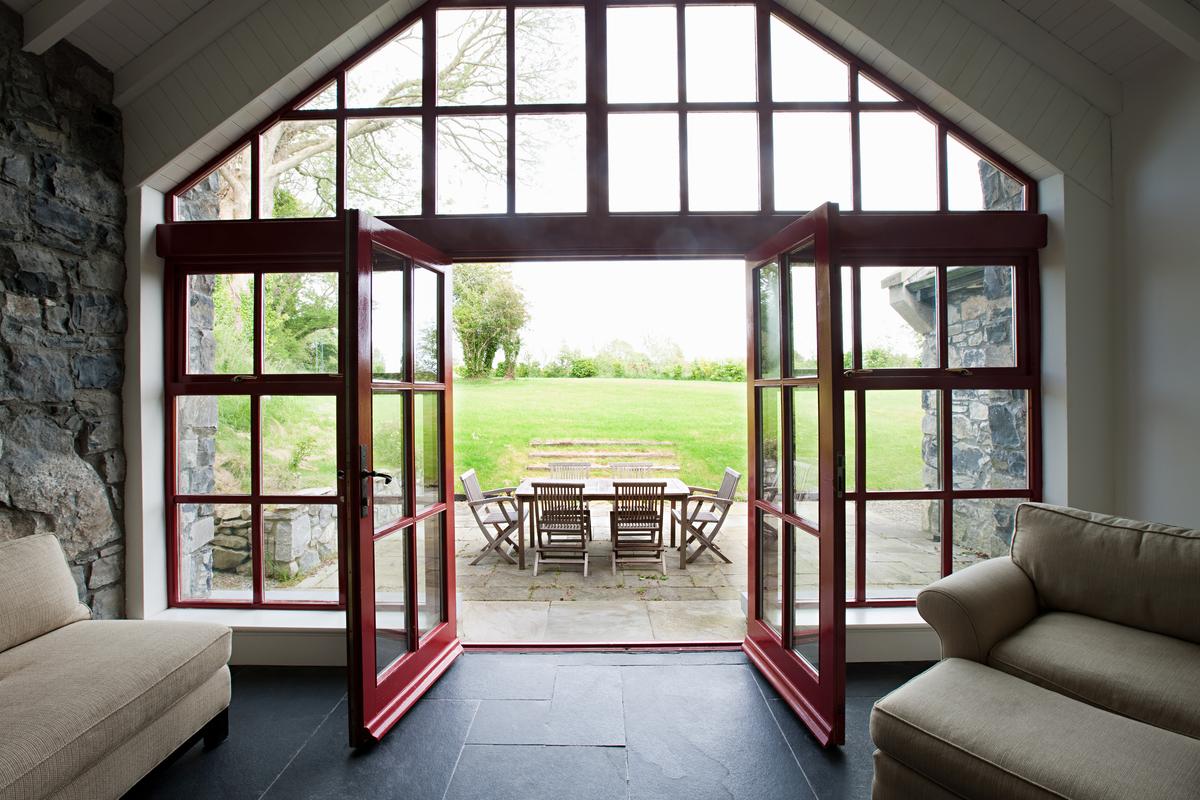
[(1098, 30)]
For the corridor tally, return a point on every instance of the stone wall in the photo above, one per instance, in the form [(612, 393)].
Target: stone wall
[(62, 312)]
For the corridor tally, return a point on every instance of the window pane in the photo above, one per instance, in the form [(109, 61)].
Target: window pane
[(214, 552), (851, 433), (723, 162), (389, 330), (902, 440), (851, 549), (643, 61), (551, 162), (904, 547), (429, 573), (806, 569), (768, 320), (472, 56), (324, 100), (391, 582), (979, 315), (899, 162), (388, 456), (300, 316), (472, 165), (804, 313), (812, 160), (299, 177), (550, 55), (391, 76), (847, 317), (721, 60), (770, 569), (383, 165), (643, 162), (299, 445), (220, 324), (427, 448), (990, 428), (801, 70), (978, 185), (426, 296), (213, 444), (983, 529), (806, 451), (300, 553), (223, 194), (770, 442), (899, 317), (871, 92)]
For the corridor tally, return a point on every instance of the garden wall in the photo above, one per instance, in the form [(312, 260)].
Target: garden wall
[(62, 311)]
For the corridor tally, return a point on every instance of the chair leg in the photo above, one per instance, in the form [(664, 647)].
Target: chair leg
[(216, 730), (585, 564), (536, 562)]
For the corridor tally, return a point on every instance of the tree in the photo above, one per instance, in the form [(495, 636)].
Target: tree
[(489, 313), (383, 156)]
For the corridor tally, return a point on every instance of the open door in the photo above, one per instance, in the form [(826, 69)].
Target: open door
[(401, 626), (796, 627)]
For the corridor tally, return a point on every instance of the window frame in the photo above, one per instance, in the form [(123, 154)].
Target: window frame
[(597, 110)]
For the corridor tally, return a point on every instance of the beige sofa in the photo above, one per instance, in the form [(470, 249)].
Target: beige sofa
[(89, 707), (1071, 669)]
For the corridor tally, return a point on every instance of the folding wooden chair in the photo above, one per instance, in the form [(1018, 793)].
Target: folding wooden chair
[(562, 523), (496, 515), (708, 509), (637, 522), (630, 470), (570, 470)]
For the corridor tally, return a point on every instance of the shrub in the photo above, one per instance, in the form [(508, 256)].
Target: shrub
[(583, 368)]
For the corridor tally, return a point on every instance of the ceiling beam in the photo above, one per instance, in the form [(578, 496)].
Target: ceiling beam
[(1176, 21), (48, 22), (180, 44), (1046, 51)]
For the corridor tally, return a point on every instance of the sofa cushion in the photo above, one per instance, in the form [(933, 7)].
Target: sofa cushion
[(1142, 675), (37, 592), (980, 733), (1120, 570), (73, 695)]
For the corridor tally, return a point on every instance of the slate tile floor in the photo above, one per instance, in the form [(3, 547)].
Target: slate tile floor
[(571, 726)]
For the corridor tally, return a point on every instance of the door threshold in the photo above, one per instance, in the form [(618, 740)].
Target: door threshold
[(599, 647)]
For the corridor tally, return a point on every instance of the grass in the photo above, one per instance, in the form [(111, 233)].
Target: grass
[(495, 420)]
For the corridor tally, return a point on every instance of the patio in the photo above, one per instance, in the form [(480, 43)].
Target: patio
[(704, 602)]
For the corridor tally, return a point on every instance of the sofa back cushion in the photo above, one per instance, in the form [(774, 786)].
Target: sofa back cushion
[(1133, 573), (37, 592)]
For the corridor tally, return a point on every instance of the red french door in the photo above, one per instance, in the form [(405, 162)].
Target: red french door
[(401, 626), (796, 626)]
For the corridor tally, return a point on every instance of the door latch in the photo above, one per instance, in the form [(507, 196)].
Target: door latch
[(365, 475)]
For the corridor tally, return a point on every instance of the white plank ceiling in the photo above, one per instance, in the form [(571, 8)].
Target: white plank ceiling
[(1096, 29)]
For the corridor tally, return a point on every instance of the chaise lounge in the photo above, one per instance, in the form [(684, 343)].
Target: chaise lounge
[(1071, 669), (88, 707)]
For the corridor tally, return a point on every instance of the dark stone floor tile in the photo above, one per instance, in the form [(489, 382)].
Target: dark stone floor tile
[(413, 762), (520, 772), (652, 659), (497, 676), (273, 712), (877, 679), (702, 732), (585, 709), (834, 772)]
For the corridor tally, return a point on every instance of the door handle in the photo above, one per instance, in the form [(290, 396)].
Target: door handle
[(370, 473), (962, 372)]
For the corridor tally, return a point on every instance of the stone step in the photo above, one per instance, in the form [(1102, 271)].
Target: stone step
[(599, 443), (631, 456), (601, 467)]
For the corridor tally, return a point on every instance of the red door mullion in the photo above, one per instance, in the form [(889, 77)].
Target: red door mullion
[(257, 560)]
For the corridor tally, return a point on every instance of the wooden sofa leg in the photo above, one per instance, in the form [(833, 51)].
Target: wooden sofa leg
[(216, 730)]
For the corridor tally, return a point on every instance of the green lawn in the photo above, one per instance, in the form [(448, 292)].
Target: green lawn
[(495, 420)]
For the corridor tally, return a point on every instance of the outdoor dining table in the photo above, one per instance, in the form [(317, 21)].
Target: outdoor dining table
[(599, 489)]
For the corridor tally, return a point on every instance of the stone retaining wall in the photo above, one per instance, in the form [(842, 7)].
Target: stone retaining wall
[(62, 311)]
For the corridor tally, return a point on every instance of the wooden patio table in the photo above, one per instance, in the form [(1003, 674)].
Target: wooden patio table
[(600, 489)]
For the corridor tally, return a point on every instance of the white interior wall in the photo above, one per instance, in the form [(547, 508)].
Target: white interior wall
[(1156, 153)]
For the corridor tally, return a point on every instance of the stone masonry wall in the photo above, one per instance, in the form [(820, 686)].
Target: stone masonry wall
[(62, 312)]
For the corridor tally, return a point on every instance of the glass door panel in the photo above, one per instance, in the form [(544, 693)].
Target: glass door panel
[(401, 629), (797, 508)]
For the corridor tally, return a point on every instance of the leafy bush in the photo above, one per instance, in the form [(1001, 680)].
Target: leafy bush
[(583, 368)]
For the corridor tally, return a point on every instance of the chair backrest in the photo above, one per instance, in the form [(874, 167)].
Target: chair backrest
[(570, 470), (638, 506), (470, 482), (559, 506), (630, 470), (729, 484), (37, 593)]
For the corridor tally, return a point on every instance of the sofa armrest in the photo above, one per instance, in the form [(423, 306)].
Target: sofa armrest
[(972, 610)]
